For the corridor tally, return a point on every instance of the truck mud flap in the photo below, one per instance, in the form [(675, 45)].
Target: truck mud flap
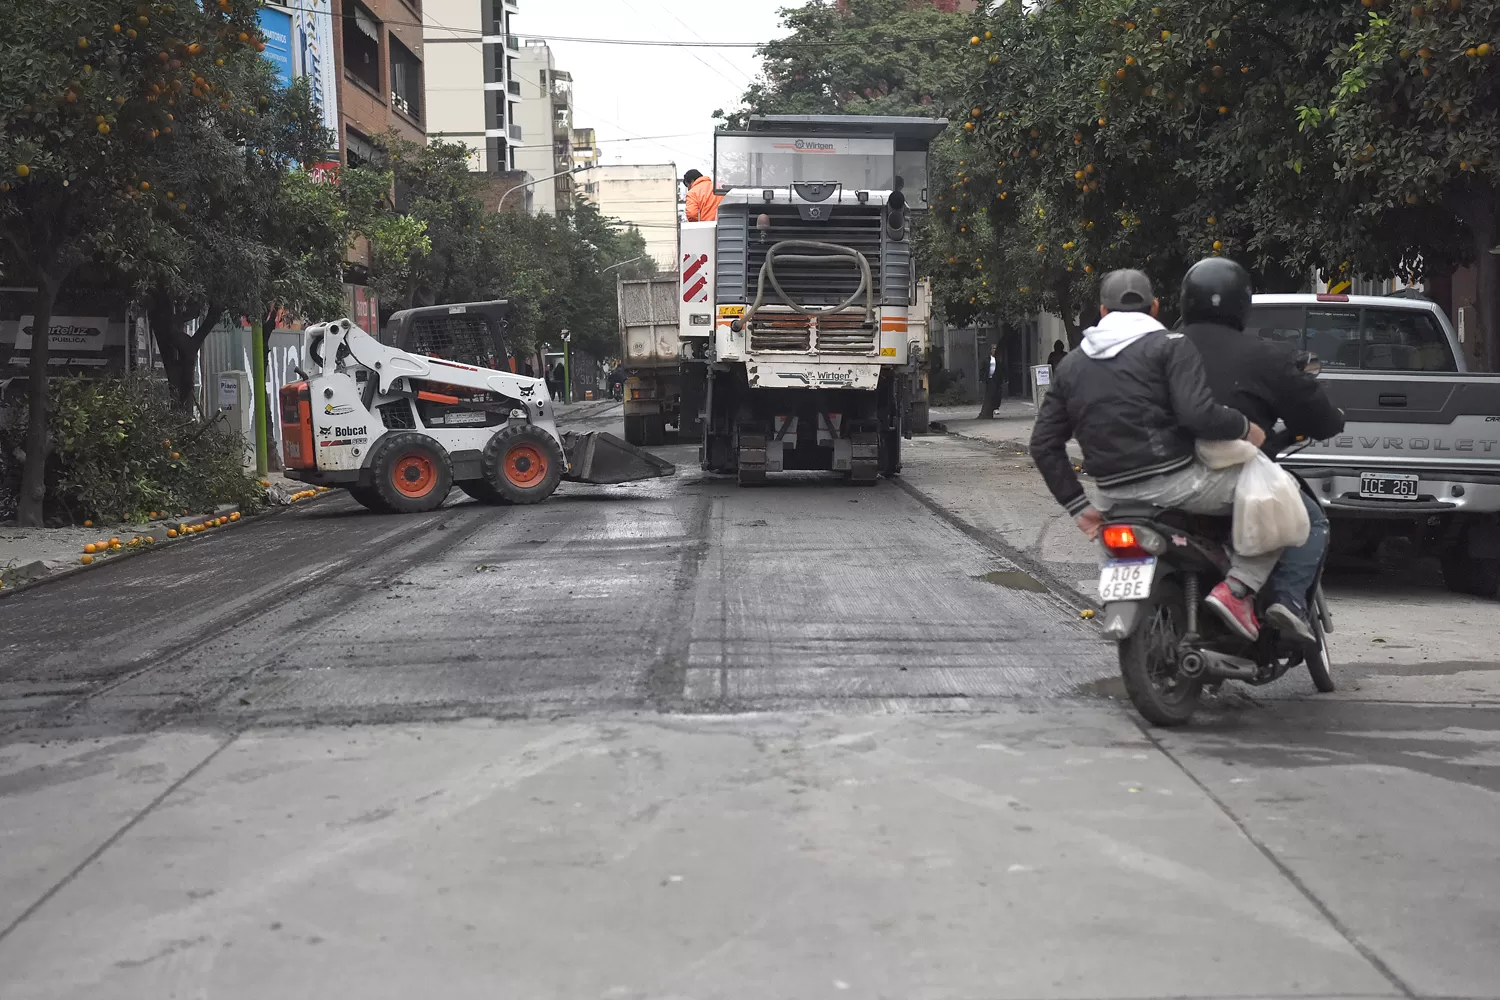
[(601, 458)]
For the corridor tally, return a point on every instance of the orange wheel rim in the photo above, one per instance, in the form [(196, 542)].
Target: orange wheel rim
[(525, 464), (414, 475)]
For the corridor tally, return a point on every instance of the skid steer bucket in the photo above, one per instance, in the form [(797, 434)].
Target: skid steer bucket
[(602, 458)]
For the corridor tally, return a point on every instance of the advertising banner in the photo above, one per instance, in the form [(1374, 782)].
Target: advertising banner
[(313, 56), (276, 25)]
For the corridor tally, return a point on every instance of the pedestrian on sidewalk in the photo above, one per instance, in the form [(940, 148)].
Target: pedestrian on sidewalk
[(993, 389), (1059, 351)]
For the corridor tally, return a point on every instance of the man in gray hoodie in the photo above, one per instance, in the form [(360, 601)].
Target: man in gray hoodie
[(1137, 399)]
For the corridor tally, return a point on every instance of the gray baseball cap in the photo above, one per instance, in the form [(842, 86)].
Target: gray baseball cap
[(1126, 291)]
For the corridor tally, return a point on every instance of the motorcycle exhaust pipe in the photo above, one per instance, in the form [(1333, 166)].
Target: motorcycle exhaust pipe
[(1228, 668)]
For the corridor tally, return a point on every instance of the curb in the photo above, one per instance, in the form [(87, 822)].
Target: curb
[(162, 543)]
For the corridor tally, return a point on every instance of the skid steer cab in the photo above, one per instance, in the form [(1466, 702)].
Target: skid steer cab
[(400, 430)]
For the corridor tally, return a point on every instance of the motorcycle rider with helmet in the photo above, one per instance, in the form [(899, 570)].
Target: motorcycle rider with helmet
[(1263, 381), (1136, 398)]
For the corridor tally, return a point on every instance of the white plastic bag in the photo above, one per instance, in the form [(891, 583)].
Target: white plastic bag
[(1226, 454), (1268, 510)]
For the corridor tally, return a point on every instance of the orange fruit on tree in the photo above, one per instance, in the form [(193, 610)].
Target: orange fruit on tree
[(1484, 50), (972, 41)]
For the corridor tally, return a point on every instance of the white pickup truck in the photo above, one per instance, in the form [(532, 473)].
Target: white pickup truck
[(1420, 452)]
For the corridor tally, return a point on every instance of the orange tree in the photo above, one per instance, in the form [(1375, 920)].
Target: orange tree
[(1110, 133), (244, 231), (90, 87), (1413, 124)]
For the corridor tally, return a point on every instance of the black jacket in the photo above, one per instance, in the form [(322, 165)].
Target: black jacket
[(1260, 378), (1136, 415)]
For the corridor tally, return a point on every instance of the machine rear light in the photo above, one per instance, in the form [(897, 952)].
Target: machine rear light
[(297, 427), (1129, 541)]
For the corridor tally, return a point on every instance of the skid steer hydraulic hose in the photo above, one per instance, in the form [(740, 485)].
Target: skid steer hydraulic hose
[(829, 253)]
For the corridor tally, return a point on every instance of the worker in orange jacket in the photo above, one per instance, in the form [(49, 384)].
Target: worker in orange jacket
[(702, 203)]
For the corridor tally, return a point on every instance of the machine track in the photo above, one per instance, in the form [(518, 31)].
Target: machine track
[(751, 465)]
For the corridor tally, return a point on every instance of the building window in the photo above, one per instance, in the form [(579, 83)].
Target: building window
[(362, 44), (406, 80), (359, 148)]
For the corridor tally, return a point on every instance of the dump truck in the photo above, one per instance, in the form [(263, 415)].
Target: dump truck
[(664, 379), (438, 404), (804, 312)]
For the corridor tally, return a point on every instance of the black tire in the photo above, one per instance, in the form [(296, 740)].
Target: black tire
[(481, 490), (635, 430), (413, 473), (654, 430), (523, 464), (369, 498), (1320, 664), (921, 418), (690, 417), (1163, 697), (1465, 573)]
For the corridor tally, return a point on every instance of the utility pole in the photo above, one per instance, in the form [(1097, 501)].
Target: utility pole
[(258, 348)]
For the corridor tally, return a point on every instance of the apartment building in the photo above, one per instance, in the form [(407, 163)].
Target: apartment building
[(643, 196), (378, 44), (545, 115), (585, 148), (472, 90)]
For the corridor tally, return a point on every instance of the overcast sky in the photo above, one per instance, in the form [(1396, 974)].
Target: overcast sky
[(624, 91)]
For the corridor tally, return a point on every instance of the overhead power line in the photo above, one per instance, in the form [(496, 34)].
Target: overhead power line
[(667, 43)]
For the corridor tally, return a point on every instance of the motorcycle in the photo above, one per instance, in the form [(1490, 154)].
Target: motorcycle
[(1161, 563)]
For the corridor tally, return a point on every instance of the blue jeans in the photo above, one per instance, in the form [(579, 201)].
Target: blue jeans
[(1294, 574)]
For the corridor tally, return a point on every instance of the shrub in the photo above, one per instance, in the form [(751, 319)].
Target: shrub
[(121, 449)]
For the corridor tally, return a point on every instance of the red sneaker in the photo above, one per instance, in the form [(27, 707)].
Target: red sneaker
[(1237, 612)]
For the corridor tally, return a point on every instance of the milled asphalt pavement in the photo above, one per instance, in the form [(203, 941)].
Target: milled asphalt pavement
[(679, 739)]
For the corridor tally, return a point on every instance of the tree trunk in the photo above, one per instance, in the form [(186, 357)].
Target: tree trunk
[(34, 472), (1483, 347), (179, 352), (1069, 316), (273, 434)]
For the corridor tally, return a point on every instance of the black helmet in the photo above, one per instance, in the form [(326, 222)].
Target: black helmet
[(1216, 290)]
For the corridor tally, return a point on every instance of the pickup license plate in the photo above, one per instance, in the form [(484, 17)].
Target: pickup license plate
[(1384, 486), (1126, 580)]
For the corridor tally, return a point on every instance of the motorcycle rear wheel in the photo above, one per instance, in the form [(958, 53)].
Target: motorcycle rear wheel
[(1148, 661)]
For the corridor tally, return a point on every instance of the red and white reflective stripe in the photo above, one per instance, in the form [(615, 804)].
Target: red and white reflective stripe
[(698, 290)]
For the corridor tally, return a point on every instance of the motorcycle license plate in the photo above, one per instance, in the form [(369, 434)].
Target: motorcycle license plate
[(1126, 580), (1384, 486)]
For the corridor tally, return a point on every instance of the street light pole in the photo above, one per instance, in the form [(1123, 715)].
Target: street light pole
[(500, 207), (567, 338), (621, 264)]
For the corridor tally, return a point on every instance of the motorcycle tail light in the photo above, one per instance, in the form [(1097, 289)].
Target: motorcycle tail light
[(1133, 541)]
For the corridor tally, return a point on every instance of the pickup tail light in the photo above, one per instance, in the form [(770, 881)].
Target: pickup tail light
[(1333, 298), (1130, 541)]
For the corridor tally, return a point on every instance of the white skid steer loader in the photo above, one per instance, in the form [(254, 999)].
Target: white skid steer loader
[(401, 429)]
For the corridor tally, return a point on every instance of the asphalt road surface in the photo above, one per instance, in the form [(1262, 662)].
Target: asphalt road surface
[(680, 739)]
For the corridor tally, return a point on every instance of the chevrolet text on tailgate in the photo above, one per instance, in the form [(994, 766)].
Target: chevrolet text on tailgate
[(1420, 452)]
